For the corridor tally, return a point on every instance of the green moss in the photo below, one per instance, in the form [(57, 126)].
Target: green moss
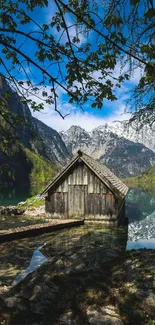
[(32, 203)]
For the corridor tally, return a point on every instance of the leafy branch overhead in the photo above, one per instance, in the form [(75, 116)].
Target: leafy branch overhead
[(78, 50)]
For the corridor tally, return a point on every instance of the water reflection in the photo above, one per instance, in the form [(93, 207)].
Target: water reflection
[(12, 195), (140, 209), (141, 244), (36, 260), (139, 204)]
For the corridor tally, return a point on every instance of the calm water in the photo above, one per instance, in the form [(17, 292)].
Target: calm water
[(12, 196), (140, 210), (83, 243)]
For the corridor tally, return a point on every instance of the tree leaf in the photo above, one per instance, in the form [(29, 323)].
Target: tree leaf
[(150, 13), (134, 2)]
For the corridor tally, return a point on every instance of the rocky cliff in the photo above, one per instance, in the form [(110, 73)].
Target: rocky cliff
[(55, 148), (135, 132), (126, 158), (27, 156), (32, 133)]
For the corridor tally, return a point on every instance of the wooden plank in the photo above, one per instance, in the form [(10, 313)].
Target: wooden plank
[(66, 204), (90, 203), (55, 203), (35, 230), (85, 200), (70, 178), (85, 175), (103, 204), (109, 206), (96, 185), (98, 206), (91, 183), (74, 177), (59, 189), (78, 176), (81, 175), (51, 205), (65, 189), (76, 196), (59, 203), (113, 203)]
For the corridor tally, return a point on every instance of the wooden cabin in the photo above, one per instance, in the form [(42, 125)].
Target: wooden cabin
[(86, 189)]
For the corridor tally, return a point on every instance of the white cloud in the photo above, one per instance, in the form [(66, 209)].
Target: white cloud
[(86, 120)]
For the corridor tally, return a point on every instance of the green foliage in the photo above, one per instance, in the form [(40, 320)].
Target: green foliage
[(8, 139), (145, 181), (147, 177), (42, 171), (32, 203), (124, 37), (25, 168)]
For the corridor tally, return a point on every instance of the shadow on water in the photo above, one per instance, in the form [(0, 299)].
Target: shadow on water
[(29, 252), (84, 281), (78, 269)]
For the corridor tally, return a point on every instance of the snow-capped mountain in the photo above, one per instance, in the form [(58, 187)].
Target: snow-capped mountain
[(142, 134), (124, 157)]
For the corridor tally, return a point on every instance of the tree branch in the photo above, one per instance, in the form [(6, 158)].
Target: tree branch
[(36, 65), (104, 36)]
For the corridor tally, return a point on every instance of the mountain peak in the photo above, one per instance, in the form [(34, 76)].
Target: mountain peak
[(75, 128), (111, 144)]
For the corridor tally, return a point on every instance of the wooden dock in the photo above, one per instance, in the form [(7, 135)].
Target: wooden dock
[(37, 229)]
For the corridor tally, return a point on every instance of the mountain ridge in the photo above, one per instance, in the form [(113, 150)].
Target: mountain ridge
[(126, 158), (107, 143), (133, 131)]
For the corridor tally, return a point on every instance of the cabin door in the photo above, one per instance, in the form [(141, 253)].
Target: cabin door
[(76, 200)]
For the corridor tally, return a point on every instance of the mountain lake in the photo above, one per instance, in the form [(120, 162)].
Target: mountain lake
[(20, 257)]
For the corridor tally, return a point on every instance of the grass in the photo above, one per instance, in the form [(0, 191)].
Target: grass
[(32, 203)]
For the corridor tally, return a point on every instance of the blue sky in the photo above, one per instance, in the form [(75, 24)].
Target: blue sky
[(89, 118)]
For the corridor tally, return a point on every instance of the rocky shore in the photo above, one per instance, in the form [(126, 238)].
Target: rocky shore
[(17, 210), (11, 210), (84, 289)]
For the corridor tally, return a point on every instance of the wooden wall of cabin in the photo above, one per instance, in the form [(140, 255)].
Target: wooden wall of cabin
[(80, 193)]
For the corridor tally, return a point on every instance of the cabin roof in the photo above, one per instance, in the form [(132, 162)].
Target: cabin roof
[(102, 172)]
